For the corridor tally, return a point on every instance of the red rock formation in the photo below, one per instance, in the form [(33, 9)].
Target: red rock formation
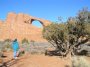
[(20, 26)]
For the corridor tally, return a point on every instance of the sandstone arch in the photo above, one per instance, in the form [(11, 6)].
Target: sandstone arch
[(42, 21), (32, 20), (37, 23), (20, 26)]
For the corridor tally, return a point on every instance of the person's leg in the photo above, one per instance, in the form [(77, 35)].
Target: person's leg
[(18, 53), (15, 54)]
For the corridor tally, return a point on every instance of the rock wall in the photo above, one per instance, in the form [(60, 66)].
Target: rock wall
[(20, 26)]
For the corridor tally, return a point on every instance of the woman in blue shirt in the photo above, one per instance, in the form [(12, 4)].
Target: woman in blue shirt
[(15, 46)]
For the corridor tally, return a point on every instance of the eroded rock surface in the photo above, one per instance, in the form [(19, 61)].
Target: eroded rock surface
[(20, 26)]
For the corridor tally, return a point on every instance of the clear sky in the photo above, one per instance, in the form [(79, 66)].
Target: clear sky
[(47, 9)]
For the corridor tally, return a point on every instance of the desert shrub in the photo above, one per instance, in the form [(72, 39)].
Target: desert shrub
[(80, 62), (65, 36), (7, 43), (57, 35), (1, 45), (79, 27), (25, 41), (87, 28), (25, 45)]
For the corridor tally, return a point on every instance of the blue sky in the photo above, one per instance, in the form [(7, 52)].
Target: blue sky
[(47, 9)]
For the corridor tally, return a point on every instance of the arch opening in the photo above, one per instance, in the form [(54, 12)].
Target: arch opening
[(37, 23)]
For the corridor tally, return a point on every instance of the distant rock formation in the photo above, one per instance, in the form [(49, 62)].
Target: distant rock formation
[(20, 26)]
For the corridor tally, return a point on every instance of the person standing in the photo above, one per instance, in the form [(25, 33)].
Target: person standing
[(15, 47)]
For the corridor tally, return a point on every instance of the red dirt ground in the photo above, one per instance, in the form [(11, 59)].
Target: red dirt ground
[(36, 60)]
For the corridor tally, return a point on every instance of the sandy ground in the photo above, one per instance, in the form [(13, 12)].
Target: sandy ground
[(36, 60)]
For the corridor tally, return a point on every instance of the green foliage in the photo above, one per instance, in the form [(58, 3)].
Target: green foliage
[(56, 30), (80, 25), (7, 44), (61, 34), (56, 34), (87, 28), (25, 41), (82, 19), (1, 46)]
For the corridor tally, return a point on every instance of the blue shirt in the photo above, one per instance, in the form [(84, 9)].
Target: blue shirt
[(15, 46)]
